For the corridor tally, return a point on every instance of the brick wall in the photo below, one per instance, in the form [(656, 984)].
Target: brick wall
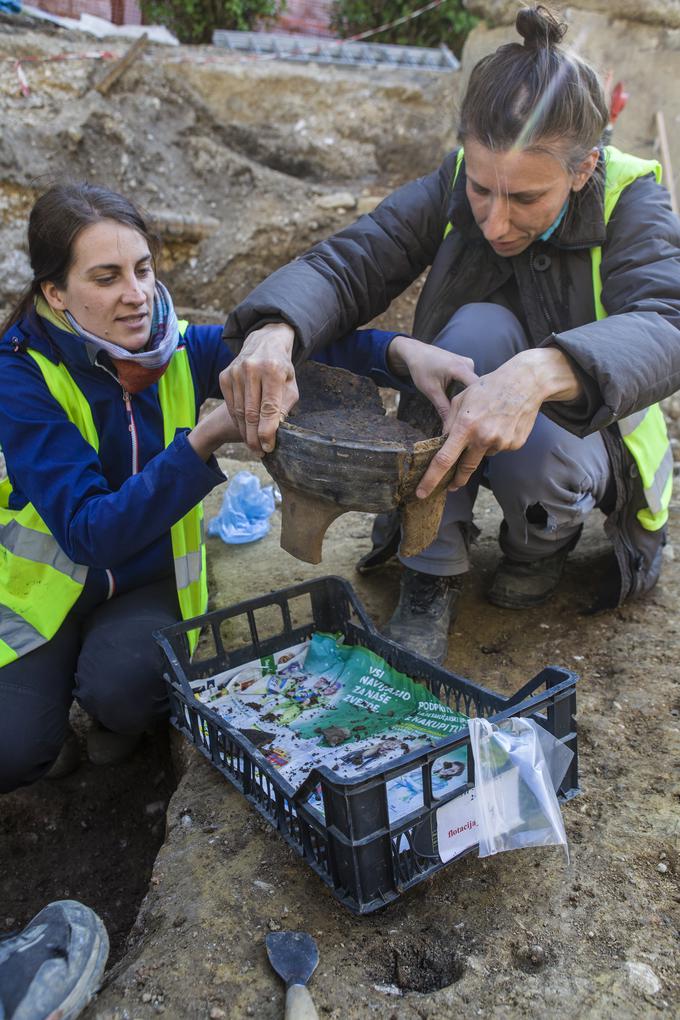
[(120, 12), (311, 17)]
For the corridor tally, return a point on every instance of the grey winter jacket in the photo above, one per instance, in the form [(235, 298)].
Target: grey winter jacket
[(625, 362)]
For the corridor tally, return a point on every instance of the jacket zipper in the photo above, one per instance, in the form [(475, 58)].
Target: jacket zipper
[(132, 428), (134, 441)]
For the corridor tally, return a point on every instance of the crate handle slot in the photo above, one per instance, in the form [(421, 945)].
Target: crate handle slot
[(550, 676)]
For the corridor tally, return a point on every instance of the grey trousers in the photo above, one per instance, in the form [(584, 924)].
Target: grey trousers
[(545, 489)]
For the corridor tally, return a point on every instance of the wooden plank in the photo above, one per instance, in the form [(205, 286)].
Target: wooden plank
[(665, 154), (121, 65)]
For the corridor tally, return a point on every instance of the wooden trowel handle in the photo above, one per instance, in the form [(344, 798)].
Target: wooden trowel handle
[(299, 1005)]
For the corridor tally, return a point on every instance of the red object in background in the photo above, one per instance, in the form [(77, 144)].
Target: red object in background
[(618, 101)]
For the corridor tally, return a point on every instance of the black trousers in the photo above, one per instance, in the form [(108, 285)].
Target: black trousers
[(105, 658)]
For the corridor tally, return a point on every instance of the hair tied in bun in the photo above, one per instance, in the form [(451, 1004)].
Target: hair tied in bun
[(539, 27)]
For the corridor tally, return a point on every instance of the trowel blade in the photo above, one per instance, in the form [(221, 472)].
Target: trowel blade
[(293, 955)]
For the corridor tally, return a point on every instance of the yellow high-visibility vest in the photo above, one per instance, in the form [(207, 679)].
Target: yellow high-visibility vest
[(39, 584), (644, 433)]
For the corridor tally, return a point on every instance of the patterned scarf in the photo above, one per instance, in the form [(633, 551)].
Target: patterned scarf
[(137, 370)]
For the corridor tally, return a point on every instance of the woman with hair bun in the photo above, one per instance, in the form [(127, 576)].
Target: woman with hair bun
[(554, 263)]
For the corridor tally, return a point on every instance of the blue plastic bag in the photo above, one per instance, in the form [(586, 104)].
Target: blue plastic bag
[(245, 512)]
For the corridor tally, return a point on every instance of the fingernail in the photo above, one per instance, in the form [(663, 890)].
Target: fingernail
[(267, 447), (420, 493)]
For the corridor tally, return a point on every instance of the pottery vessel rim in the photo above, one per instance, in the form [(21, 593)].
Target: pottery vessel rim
[(420, 446)]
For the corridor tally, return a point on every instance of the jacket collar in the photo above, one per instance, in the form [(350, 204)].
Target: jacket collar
[(55, 343), (583, 225)]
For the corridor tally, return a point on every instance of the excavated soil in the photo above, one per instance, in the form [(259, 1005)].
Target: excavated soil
[(340, 406), (92, 836), (361, 427)]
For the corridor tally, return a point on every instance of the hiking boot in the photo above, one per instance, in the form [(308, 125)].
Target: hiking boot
[(424, 613), (68, 759), (55, 965), (104, 747), (517, 585)]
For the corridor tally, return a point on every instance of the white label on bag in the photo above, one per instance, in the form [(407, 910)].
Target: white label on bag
[(458, 823)]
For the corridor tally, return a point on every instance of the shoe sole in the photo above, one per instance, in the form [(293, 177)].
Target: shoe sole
[(380, 557), (372, 568), (89, 982)]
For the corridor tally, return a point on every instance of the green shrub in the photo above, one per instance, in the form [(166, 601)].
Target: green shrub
[(193, 21), (449, 23)]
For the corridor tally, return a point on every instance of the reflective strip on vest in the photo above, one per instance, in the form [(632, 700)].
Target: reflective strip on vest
[(629, 424), (40, 547), (17, 632), (19, 636), (644, 432), (177, 399), (187, 569)]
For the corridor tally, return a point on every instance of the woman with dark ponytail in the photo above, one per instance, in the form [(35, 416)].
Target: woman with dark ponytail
[(554, 263), (107, 462)]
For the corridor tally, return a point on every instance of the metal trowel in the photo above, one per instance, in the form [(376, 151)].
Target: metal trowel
[(294, 956)]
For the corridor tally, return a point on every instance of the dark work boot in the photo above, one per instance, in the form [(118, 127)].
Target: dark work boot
[(424, 613), (107, 748), (521, 585), (386, 536)]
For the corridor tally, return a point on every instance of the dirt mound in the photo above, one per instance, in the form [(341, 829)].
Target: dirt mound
[(242, 163)]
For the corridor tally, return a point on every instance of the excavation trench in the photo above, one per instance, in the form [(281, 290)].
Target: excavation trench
[(92, 836)]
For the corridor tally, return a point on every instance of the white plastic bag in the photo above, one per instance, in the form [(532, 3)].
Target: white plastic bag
[(518, 769)]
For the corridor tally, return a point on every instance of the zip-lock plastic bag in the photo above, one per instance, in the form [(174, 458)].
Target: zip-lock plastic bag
[(519, 767), (245, 511)]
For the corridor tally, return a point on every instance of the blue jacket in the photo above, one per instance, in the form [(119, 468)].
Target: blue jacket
[(101, 513)]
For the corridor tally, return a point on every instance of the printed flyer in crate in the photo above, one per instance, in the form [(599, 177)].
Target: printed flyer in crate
[(325, 703)]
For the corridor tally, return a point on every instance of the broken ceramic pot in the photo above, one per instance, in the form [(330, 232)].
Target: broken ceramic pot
[(339, 451)]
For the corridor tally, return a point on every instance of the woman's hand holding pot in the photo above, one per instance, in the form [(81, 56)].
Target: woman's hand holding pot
[(497, 412)]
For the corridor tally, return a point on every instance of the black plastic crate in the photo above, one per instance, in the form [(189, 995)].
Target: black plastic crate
[(366, 859)]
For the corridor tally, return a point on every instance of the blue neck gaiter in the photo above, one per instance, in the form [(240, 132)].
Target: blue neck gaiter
[(555, 224)]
